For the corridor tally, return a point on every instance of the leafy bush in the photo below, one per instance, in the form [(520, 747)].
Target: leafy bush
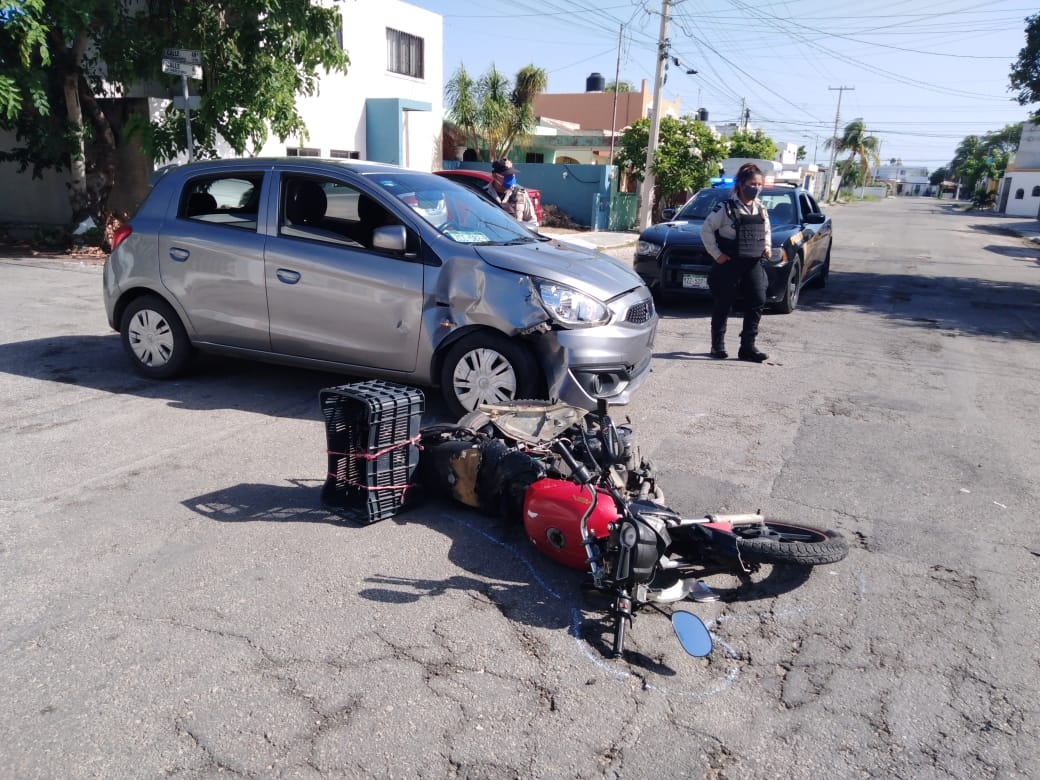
[(553, 217)]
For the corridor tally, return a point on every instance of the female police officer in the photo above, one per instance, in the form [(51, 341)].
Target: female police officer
[(738, 236)]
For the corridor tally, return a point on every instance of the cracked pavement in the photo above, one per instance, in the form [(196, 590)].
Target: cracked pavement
[(177, 602)]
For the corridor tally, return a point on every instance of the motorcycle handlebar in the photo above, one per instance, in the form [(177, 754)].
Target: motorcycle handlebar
[(578, 470)]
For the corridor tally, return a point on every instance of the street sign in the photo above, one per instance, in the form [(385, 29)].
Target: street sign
[(192, 103), (190, 56), (181, 68)]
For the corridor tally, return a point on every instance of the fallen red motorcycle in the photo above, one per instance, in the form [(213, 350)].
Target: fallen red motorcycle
[(588, 500)]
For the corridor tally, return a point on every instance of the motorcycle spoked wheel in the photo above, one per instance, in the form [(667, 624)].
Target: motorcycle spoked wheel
[(779, 542)]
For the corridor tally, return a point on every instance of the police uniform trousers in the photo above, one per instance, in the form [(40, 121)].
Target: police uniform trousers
[(746, 277)]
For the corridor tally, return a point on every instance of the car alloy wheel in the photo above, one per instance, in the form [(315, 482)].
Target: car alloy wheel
[(790, 300)]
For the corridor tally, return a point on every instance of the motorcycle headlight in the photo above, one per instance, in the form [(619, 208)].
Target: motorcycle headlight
[(629, 535), (648, 248), (571, 307)]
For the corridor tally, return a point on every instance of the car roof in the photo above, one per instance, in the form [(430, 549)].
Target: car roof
[(235, 163), (776, 188), (470, 174)]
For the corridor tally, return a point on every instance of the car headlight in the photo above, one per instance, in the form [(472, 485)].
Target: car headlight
[(569, 306), (648, 248)]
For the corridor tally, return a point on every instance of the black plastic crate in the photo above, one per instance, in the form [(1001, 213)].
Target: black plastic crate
[(372, 430)]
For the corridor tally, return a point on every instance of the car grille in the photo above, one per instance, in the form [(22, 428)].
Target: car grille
[(641, 312), (681, 256)]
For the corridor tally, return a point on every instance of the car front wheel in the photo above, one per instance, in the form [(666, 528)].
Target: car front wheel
[(486, 368), (155, 339), (789, 302)]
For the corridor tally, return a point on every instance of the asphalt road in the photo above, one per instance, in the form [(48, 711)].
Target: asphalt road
[(176, 602)]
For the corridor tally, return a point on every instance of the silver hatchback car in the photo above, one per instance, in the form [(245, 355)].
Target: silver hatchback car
[(372, 270)]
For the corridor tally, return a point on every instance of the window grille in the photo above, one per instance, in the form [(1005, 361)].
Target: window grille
[(405, 54)]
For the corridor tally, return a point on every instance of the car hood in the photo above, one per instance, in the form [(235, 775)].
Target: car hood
[(687, 233), (591, 272)]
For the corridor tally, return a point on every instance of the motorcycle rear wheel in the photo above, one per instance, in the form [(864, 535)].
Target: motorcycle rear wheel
[(779, 542)]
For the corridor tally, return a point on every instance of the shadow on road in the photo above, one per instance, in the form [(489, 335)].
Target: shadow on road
[(98, 363), (965, 305)]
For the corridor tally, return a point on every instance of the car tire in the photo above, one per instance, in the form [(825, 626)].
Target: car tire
[(487, 368), (825, 270), (155, 339), (789, 302)]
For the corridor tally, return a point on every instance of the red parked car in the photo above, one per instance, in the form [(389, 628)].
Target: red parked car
[(478, 180)]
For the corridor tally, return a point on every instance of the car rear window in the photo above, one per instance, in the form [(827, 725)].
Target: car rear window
[(231, 201)]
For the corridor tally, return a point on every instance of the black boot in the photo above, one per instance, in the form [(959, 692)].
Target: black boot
[(752, 355), (748, 335), (718, 339)]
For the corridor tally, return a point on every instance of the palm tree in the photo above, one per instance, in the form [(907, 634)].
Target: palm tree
[(860, 147), (492, 114)]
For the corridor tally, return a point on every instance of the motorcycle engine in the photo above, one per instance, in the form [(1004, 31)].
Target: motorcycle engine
[(651, 541), (614, 448)]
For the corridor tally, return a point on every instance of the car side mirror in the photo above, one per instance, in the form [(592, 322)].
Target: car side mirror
[(668, 214), (390, 238), (815, 219)]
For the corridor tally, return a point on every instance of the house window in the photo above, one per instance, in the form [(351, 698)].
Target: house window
[(1036, 191), (404, 54), (1019, 194), (343, 154), (534, 157), (302, 151)]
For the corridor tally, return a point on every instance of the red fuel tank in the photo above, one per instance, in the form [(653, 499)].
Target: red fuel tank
[(552, 518)]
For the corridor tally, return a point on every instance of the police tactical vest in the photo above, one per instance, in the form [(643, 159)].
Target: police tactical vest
[(750, 241)]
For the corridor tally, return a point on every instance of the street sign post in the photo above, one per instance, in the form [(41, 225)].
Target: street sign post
[(181, 68), (186, 63), (191, 56)]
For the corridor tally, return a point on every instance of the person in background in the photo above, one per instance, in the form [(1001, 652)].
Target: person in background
[(509, 195), (737, 234)]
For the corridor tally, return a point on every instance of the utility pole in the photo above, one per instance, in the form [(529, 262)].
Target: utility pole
[(617, 76), (646, 191), (834, 143)]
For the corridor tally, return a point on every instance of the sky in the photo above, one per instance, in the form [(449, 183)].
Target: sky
[(922, 75)]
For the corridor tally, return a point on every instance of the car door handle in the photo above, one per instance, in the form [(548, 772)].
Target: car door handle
[(287, 276), (178, 255)]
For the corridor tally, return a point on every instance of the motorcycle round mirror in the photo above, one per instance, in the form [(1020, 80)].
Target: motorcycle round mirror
[(693, 634)]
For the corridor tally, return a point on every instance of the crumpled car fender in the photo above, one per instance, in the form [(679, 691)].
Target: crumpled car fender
[(472, 293)]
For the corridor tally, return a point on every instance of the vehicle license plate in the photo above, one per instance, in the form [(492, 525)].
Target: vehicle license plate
[(695, 281)]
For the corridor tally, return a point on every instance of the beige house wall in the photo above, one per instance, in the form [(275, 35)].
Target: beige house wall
[(595, 110)]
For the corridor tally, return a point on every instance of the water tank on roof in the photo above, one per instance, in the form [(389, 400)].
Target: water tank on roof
[(595, 83), (702, 115)]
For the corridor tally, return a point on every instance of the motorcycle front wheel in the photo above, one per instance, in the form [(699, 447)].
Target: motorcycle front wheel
[(776, 542)]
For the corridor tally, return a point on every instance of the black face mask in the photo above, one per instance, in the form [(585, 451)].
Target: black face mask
[(751, 192)]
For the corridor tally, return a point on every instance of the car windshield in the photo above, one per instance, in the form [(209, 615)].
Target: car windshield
[(454, 211), (701, 204), (780, 203)]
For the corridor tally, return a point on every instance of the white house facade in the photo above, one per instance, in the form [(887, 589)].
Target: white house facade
[(903, 179), (1019, 190)]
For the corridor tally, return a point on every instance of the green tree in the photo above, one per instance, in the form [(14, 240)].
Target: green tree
[(687, 156), (619, 86), (756, 145), (861, 148), (59, 61), (981, 158), (801, 154), (938, 176), (1025, 72), (490, 113)]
